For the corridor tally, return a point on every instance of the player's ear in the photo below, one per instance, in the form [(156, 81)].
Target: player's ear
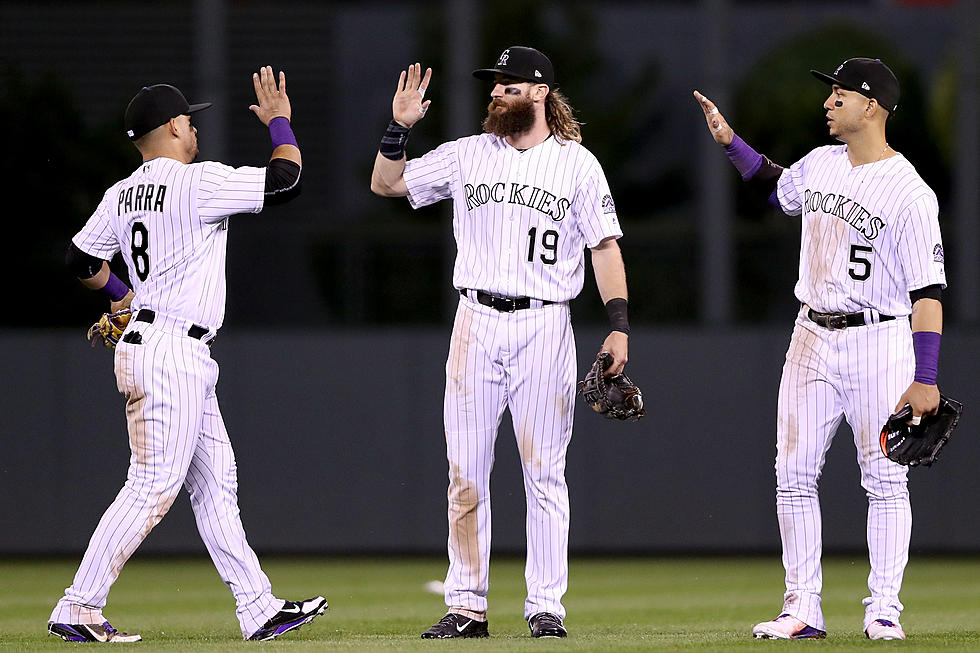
[(540, 92)]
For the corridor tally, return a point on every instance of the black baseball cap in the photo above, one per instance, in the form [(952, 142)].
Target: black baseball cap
[(154, 106), (522, 63), (869, 77)]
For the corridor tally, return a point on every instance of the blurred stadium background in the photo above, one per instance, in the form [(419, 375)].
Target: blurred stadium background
[(339, 304)]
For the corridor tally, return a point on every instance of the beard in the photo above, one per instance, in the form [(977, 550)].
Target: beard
[(515, 117)]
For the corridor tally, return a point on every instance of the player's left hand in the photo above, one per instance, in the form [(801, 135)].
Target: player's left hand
[(115, 307), (924, 400), (272, 101), (617, 344)]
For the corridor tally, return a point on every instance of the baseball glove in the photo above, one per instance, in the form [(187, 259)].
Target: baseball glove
[(614, 397), (919, 444), (110, 328)]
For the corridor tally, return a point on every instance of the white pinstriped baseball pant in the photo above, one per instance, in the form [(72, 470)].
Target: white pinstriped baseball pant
[(177, 437), (524, 361), (857, 373)]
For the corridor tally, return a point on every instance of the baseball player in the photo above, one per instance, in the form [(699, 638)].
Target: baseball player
[(170, 221), (528, 199), (871, 256)]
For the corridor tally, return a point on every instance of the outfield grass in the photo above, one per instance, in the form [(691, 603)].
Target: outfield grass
[(621, 604)]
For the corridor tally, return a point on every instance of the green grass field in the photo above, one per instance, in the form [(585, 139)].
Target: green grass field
[(621, 604)]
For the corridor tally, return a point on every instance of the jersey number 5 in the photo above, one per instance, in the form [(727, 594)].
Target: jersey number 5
[(140, 241), (859, 261), (549, 241)]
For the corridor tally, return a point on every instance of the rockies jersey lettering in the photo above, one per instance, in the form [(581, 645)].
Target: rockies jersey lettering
[(522, 219), (169, 220), (870, 232)]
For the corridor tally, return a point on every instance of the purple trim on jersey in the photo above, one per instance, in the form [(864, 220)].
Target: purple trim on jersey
[(774, 198), (115, 288), (281, 132), (926, 346), (746, 160)]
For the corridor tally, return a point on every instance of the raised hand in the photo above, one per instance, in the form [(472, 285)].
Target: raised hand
[(272, 101), (717, 125), (407, 106)]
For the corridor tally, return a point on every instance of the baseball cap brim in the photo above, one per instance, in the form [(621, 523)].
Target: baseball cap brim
[(487, 74), (829, 79), (198, 107)]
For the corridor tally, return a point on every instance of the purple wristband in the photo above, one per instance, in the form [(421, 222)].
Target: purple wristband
[(114, 288), (926, 346), (281, 132), (746, 160)]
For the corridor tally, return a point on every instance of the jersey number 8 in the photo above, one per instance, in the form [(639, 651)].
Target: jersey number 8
[(140, 241)]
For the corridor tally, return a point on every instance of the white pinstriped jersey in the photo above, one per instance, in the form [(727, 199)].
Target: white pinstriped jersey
[(870, 233), (522, 220), (169, 220)]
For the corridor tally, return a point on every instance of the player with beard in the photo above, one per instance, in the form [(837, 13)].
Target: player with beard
[(528, 199)]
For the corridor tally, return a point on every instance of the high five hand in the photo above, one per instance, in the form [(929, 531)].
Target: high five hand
[(407, 106), (272, 102), (717, 124)]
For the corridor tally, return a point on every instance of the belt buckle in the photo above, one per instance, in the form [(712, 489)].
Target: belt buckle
[(837, 321), (504, 304)]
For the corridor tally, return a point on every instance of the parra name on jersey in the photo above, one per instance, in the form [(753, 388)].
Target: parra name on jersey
[(141, 197), (523, 194), (834, 204)]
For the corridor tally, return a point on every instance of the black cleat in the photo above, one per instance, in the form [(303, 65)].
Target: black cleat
[(545, 624), (456, 625), (103, 632), (292, 615)]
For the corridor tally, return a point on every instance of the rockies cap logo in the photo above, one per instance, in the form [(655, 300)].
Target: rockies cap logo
[(504, 57)]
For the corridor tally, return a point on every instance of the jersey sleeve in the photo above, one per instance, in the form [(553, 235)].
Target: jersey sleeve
[(593, 208), (429, 178), (225, 191), (789, 188), (96, 238), (920, 244)]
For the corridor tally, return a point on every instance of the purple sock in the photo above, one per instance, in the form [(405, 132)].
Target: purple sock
[(746, 160), (926, 346), (281, 132), (115, 288)]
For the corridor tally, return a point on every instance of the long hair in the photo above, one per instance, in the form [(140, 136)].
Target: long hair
[(560, 117)]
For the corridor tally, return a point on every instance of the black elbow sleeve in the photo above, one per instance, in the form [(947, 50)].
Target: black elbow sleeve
[(82, 265), (934, 291), (766, 177), (282, 181)]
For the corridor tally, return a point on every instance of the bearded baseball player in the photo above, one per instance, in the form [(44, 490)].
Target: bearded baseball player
[(170, 221), (528, 199), (871, 256)]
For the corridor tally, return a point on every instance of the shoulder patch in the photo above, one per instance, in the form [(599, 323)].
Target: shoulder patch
[(607, 204), (937, 253)]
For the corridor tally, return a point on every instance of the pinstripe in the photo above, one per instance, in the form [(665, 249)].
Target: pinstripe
[(880, 219)]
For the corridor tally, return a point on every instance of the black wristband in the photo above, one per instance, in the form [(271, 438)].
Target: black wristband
[(393, 142), (618, 319)]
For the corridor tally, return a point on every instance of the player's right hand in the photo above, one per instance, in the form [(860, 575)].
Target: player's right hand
[(272, 101), (717, 125), (407, 106)]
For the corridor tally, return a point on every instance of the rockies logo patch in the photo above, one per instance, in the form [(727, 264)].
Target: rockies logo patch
[(607, 204), (937, 253)]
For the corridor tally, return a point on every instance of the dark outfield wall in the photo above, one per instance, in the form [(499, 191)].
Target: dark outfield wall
[(340, 447)]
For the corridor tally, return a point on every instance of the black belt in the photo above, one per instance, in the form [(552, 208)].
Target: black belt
[(842, 320), (195, 331), (502, 304)]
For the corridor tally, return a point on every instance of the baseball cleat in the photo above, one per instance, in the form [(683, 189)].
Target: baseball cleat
[(103, 632), (456, 625), (292, 615), (546, 624), (786, 626), (884, 629)]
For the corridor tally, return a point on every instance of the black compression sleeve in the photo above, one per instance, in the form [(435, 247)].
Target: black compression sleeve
[(82, 265), (934, 291), (767, 176), (282, 181)]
